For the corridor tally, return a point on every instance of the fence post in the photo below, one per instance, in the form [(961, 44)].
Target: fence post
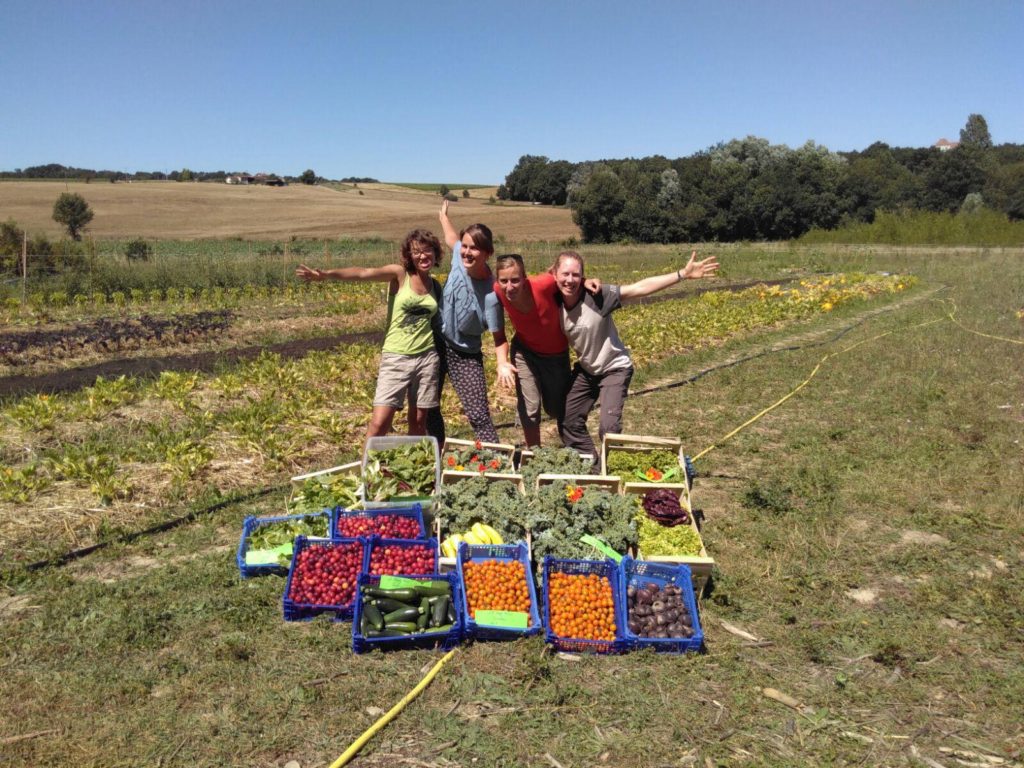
[(24, 264)]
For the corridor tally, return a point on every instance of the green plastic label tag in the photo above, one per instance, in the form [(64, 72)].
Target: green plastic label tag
[(267, 556), (397, 582), (511, 619), (601, 547)]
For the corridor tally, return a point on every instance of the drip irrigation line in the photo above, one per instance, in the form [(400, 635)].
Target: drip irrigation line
[(167, 525)]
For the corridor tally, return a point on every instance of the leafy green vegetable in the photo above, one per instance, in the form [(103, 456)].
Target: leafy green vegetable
[(270, 535), (657, 539), (477, 500), (556, 523), (653, 466), (560, 461), (406, 471), (326, 492)]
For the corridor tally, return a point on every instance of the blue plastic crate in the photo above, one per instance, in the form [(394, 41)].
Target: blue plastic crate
[(502, 553), (250, 524), (640, 573), (415, 512), (379, 541), (443, 640), (297, 611), (610, 570)]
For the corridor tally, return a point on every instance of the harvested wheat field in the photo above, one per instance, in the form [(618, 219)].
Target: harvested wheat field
[(167, 209)]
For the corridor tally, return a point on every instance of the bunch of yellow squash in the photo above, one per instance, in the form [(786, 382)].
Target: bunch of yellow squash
[(480, 533)]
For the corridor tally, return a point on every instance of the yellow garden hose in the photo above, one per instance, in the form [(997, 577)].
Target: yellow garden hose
[(358, 744), (979, 333), (803, 384)]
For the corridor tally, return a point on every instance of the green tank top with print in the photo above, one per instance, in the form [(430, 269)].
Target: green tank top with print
[(410, 320)]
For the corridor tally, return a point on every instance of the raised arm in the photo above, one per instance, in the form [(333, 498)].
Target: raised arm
[(694, 270), (451, 234), (388, 273)]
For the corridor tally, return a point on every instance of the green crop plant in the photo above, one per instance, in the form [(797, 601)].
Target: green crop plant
[(99, 471), (184, 460), (37, 412), (176, 387), (109, 394), (22, 484)]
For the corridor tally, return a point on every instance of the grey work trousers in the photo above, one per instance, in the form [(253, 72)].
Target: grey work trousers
[(584, 391)]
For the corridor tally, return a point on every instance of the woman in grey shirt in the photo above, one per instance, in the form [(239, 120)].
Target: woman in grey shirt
[(603, 368)]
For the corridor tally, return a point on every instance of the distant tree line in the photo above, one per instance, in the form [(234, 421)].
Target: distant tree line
[(749, 189), (57, 171)]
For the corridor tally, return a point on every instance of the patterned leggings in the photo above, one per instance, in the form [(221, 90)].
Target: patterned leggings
[(466, 371)]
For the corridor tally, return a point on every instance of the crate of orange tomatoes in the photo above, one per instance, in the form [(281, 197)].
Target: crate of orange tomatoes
[(499, 599), (583, 606)]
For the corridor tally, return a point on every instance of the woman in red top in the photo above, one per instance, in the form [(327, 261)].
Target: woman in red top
[(537, 361)]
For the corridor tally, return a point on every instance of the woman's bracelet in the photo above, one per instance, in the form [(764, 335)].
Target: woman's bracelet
[(679, 274)]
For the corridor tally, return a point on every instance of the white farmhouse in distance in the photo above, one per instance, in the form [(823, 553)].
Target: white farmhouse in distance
[(944, 145)]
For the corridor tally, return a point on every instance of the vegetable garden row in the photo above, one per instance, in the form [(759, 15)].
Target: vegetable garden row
[(357, 545), (138, 445)]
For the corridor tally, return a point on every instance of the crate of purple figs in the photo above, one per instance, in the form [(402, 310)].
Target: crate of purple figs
[(661, 607)]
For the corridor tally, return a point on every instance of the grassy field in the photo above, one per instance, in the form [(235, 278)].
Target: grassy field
[(215, 211), (868, 533)]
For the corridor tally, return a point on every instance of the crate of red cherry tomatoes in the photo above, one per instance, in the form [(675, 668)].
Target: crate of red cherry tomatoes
[(392, 523), (398, 556)]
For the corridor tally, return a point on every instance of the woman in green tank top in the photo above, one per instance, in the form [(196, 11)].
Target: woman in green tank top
[(409, 365)]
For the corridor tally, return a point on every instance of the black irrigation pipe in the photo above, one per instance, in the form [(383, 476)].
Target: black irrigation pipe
[(167, 525)]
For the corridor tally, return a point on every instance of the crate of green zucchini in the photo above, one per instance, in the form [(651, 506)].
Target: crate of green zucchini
[(400, 470), (267, 542), (401, 612)]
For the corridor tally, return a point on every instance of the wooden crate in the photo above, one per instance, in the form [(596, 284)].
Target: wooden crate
[(450, 477), (352, 468), (505, 449), (447, 564), (525, 455), (700, 565), (611, 483), (641, 443)]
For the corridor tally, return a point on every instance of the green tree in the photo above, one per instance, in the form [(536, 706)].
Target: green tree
[(185, 175), (444, 191), (465, 193), (11, 240), (137, 250), (73, 212), (308, 176), (975, 133), (598, 206)]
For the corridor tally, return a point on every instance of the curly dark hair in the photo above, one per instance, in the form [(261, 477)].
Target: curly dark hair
[(425, 239)]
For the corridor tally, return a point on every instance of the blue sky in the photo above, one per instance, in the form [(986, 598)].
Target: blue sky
[(457, 91)]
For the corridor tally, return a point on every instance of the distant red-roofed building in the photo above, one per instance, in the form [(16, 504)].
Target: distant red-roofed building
[(944, 145)]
